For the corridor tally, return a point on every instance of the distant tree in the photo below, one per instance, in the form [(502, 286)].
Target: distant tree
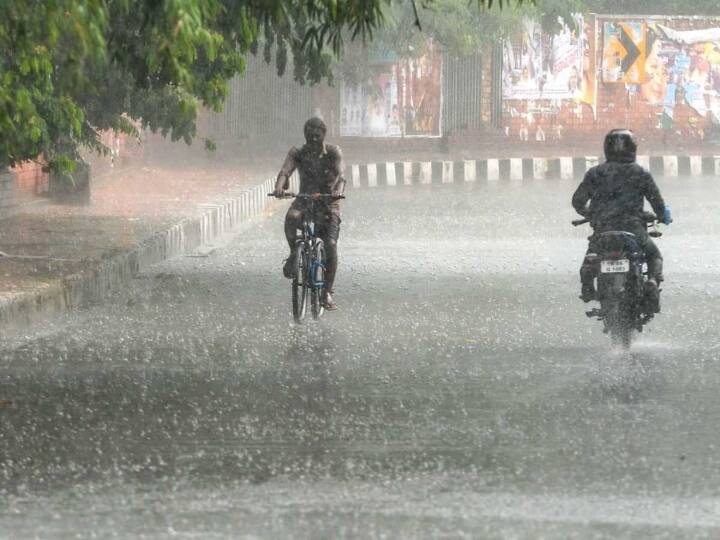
[(656, 7), (73, 68)]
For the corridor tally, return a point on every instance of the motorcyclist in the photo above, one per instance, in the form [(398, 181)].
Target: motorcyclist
[(320, 168), (616, 191)]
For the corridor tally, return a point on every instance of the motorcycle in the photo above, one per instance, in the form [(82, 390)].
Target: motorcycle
[(621, 272)]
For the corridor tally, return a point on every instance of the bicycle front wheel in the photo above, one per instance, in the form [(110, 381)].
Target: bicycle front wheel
[(300, 284), (317, 273)]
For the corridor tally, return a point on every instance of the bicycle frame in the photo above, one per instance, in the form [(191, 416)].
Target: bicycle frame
[(309, 238), (310, 254)]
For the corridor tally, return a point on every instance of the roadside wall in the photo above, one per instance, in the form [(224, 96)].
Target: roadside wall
[(634, 75), (20, 185)]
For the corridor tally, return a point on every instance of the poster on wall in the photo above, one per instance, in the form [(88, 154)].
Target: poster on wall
[(588, 84), (399, 99), (420, 94), (624, 52), (541, 66), (351, 109), (371, 109), (683, 67)]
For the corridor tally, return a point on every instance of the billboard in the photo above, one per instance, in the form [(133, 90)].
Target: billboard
[(542, 66), (398, 99), (683, 67)]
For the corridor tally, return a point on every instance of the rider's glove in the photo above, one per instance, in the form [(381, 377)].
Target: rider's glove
[(667, 216)]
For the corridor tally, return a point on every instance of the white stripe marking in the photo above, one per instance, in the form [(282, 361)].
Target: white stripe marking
[(566, 168), (516, 169), (695, 165), (407, 173), (493, 170), (426, 172), (390, 173), (470, 170), (372, 174)]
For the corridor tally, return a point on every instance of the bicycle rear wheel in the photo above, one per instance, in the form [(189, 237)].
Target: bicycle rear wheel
[(317, 273), (300, 284)]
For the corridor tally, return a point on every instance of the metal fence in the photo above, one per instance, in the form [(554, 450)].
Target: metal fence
[(462, 93), (496, 93), (262, 105)]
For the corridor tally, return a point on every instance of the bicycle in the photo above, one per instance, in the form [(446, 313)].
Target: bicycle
[(308, 282)]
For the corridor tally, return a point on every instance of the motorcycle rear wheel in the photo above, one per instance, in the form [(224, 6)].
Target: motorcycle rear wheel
[(617, 321), (621, 335)]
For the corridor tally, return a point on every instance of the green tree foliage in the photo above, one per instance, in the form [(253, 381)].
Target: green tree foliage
[(462, 28), (38, 110), (72, 68)]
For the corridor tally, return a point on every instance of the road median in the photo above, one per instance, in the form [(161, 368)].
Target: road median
[(400, 173)]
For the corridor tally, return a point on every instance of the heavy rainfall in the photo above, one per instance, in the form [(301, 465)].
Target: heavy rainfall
[(312, 272)]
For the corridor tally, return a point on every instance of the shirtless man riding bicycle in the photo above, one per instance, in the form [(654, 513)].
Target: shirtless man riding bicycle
[(320, 168)]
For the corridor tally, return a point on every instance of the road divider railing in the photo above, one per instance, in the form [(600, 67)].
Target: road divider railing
[(405, 173)]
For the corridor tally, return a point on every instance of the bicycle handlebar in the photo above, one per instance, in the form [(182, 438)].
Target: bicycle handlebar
[(290, 195)]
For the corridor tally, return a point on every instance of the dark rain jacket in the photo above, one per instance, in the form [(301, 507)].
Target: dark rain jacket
[(617, 191)]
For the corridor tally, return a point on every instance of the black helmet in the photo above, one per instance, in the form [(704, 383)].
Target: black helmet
[(620, 145), (314, 124)]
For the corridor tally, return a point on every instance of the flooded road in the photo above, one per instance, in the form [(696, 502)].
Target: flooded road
[(459, 391)]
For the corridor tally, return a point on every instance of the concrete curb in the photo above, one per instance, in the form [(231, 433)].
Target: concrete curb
[(516, 169), (113, 273)]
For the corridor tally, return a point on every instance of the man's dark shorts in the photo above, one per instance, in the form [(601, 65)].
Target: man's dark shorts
[(327, 223), (330, 230)]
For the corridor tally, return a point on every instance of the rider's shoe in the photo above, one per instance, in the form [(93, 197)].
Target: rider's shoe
[(652, 296), (587, 293), (289, 266), (328, 302)]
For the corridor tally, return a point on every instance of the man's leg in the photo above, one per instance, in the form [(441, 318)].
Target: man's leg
[(587, 274), (293, 221), (654, 261), (655, 275), (330, 238)]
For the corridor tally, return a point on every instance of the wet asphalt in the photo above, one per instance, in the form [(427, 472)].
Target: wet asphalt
[(458, 392)]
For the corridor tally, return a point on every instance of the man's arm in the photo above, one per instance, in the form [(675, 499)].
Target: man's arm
[(288, 167), (652, 194), (582, 195), (338, 187)]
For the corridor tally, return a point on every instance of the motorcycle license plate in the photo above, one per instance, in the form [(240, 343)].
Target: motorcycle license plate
[(615, 266)]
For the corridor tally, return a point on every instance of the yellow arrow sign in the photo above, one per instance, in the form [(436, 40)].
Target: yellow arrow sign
[(624, 53)]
